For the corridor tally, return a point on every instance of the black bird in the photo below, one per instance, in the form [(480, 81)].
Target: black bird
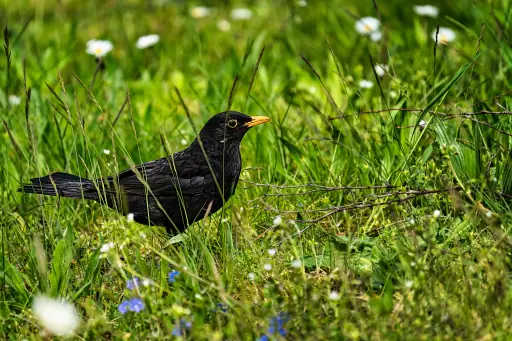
[(174, 191)]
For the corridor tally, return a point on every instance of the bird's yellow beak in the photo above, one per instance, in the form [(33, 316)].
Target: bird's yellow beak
[(255, 120)]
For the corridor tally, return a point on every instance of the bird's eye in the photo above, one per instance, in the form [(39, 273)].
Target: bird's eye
[(232, 123)]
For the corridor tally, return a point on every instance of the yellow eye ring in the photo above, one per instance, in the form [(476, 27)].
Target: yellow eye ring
[(232, 123)]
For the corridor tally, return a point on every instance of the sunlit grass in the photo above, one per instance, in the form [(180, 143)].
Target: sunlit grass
[(363, 212)]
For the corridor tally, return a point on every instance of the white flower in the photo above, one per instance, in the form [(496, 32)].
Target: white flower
[(199, 12), (224, 25), (130, 217), (365, 84), (422, 124), (147, 41), (251, 276), (376, 36), (334, 296), (488, 214), (412, 221), (436, 214), (57, 316), (241, 14), (296, 264), (14, 100), (107, 247), (302, 3), (426, 11), (367, 25), (99, 48), (147, 282), (267, 267), (445, 35), (106, 151), (272, 252), (381, 69), (278, 220), (409, 284)]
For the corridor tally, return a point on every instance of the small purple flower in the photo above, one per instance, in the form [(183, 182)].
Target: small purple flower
[(136, 305), (123, 307), (263, 338), (172, 276), (133, 283)]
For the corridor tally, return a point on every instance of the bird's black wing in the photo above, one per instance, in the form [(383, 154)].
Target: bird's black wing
[(164, 179)]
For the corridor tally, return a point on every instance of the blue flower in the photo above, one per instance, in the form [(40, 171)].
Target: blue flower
[(277, 324), (222, 307), (172, 276), (133, 283), (176, 331), (135, 304), (123, 307), (263, 338), (181, 326)]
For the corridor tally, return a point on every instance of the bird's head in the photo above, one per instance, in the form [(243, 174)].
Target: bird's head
[(230, 126)]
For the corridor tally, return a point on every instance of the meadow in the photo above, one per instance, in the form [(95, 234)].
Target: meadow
[(375, 206)]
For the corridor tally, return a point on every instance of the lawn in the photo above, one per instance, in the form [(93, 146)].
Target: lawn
[(375, 206)]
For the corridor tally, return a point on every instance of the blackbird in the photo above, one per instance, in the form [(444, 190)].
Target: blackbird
[(174, 191)]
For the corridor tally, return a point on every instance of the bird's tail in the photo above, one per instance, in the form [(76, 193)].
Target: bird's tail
[(62, 184)]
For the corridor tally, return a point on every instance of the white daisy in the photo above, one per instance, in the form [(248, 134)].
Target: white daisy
[(272, 252), (107, 247), (147, 282), (278, 220), (241, 14), (409, 284), (106, 151), (251, 276), (367, 25), (296, 263), (445, 35), (365, 84), (199, 12), (436, 214), (334, 296), (422, 124), (224, 25), (14, 100), (99, 48), (381, 69), (57, 316), (147, 41), (130, 217), (267, 267), (427, 11)]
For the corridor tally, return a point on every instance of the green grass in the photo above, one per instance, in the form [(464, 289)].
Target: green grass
[(351, 175)]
